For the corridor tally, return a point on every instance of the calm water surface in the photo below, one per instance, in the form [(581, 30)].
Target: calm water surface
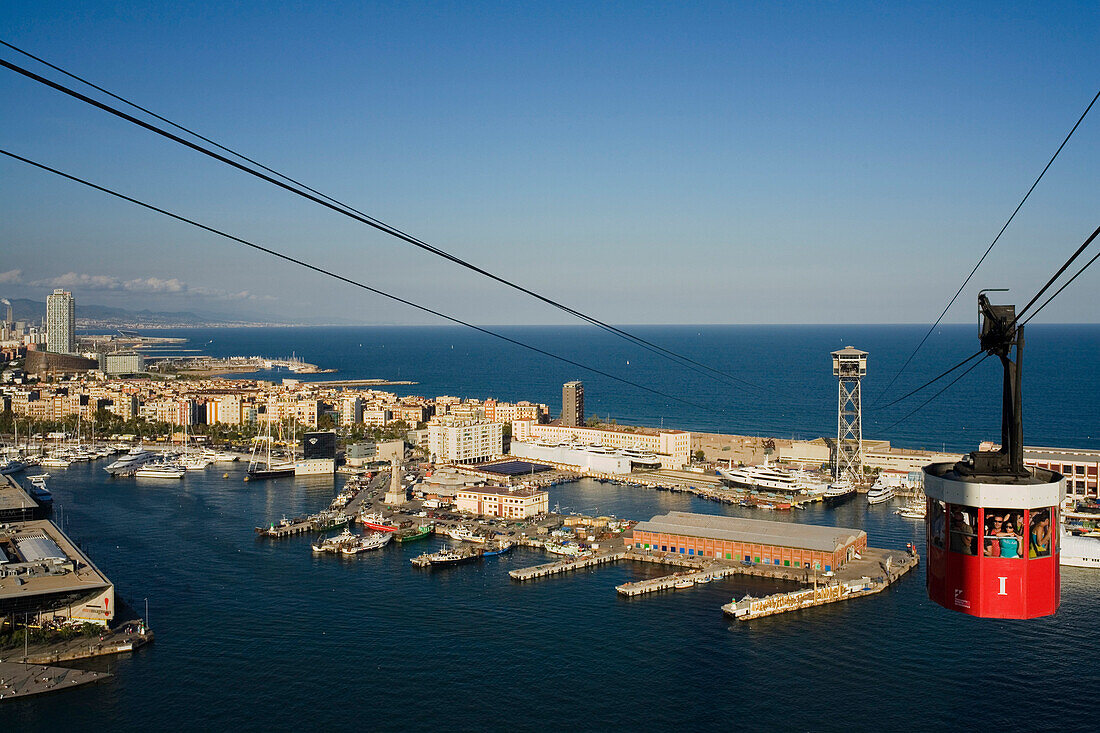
[(258, 635)]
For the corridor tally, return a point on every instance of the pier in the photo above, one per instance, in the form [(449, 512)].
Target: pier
[(315, 523), (851, 585), (565, 566), (713, 571), (22, 680)]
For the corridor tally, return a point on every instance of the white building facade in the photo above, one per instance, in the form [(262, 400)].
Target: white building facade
[(672, 447), (464, 441)]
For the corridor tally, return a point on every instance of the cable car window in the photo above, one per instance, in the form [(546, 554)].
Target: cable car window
[(1039, 534), (964, 529), (1004, 535), (936, 522)]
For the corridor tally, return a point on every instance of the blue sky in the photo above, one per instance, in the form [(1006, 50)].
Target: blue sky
[(646, 163)]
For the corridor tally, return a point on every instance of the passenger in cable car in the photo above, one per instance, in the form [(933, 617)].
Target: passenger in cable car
[(1010, 541), (994, 525), (1040, 533), (964, 535)]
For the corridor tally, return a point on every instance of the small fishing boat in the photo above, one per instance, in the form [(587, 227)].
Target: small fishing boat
[(465, 534), (499, 548), (424, 531), (455, 557), (377, 522), (367, 542)]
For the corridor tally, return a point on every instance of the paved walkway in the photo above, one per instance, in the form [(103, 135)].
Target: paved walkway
[(21, 680)]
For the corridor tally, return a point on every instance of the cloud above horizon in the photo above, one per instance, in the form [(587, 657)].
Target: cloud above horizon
[(150, 285)]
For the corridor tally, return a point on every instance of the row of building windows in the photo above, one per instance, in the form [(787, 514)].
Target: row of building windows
[(757, 560)]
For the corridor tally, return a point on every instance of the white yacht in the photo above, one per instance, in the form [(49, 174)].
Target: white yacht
[(160, 469), (130, 461), (766, 477), (1079, 552), (917, 508), (640, 459), (195, 462), (839, 490), (883, 490)]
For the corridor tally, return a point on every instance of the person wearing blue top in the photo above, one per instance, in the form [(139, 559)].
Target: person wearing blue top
[(1010, 541)]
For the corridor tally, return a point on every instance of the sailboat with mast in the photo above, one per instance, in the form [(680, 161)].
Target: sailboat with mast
[(260, 465)]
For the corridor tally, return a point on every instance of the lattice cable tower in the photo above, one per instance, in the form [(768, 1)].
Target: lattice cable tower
[(849, 367)]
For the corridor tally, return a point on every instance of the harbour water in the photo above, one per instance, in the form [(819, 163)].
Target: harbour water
[(255, 634)]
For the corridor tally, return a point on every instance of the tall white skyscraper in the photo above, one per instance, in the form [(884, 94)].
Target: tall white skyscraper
[(61, 322)]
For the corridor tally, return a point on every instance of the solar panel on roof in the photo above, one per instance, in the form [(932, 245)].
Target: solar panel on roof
[(514, 468)]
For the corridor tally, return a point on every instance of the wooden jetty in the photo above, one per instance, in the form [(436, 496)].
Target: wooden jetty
[(565, 566)]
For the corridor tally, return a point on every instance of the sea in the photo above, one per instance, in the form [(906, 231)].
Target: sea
[(256, 634)]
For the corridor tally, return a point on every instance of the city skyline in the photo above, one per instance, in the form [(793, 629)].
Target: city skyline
[(716, 164)]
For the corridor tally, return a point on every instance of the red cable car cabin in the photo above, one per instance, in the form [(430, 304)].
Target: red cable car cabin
[(992, 542)]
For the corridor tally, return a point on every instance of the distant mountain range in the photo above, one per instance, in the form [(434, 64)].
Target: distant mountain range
[(25, 309)]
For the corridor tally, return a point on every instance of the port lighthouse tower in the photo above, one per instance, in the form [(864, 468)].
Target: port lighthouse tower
[(992, 523), (849, 367)]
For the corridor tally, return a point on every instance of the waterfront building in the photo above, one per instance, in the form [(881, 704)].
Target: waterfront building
[(16, 505), (671, 447), (1079, 467), (755, 541), (573, 456), (502, 501), (901, 460), (121, 362), (44, 573), (572, 404), (464, 441), (47, 362), (61, 322), (318, 454)]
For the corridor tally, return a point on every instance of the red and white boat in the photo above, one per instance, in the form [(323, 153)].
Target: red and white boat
[(377, 522)]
